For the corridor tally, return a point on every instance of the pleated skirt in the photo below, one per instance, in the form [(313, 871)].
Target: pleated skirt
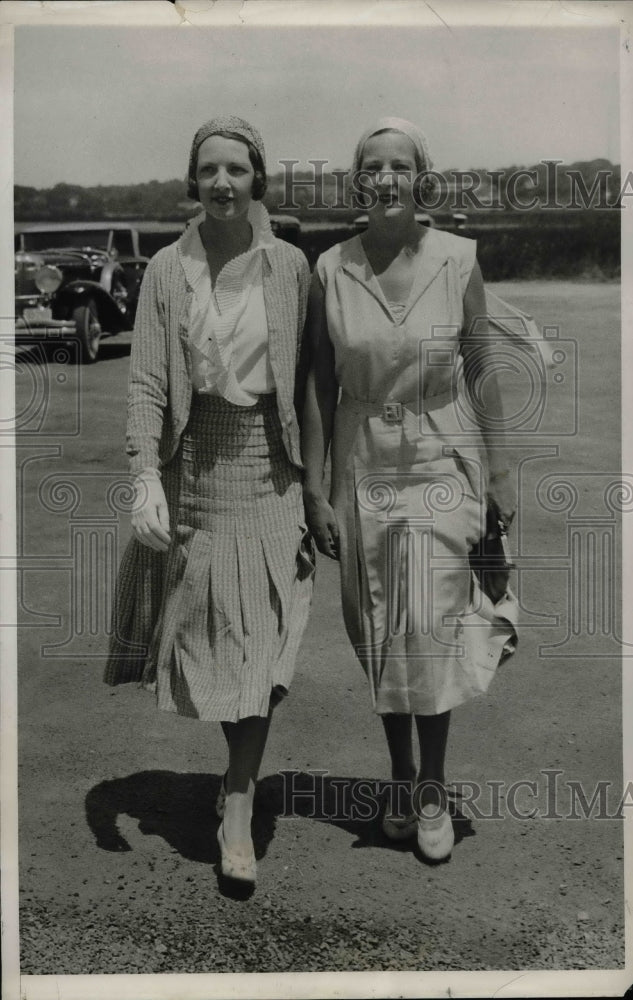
[(237, 580)]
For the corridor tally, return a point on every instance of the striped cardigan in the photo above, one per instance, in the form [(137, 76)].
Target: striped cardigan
[(159, 400), (160, 387)]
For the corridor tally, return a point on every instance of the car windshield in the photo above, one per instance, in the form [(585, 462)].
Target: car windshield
[(97, 238)]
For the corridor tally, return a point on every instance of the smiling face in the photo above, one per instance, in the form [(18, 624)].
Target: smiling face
[(224, 174), (388, 168)]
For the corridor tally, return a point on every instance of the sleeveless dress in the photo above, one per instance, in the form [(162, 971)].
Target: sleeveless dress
[(409, 482)]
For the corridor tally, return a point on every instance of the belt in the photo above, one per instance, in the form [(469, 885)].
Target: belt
[(392, 412)]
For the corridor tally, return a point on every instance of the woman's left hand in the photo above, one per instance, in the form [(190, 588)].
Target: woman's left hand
[(502, 492), (322, 523)]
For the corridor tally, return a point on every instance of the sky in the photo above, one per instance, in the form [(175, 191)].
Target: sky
[(107, 105)]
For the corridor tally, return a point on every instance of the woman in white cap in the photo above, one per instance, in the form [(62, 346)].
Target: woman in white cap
[(215, 586), (395, 322)]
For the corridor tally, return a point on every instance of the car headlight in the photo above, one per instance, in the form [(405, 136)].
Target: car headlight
[(48, 278)]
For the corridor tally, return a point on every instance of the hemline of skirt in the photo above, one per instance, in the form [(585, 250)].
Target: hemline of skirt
[(278, 694)]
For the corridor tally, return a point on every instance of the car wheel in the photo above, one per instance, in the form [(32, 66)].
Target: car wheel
[(88, 327)]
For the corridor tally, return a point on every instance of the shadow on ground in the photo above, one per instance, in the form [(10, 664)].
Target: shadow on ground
[(180, 808)]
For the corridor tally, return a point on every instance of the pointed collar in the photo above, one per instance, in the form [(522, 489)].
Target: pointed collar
[(431, 257)]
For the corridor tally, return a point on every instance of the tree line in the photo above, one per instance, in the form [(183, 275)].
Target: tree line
[(298, 193)]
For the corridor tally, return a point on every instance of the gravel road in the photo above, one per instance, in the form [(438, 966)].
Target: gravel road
[(118, 856)]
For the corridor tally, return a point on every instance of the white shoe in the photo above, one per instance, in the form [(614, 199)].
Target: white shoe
[(435, 833), (237, 863)]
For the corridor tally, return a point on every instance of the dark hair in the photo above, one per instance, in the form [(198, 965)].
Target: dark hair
[(259, 180)]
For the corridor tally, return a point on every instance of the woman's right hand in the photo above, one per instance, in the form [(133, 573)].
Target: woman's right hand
[(322, 523), (150, 516)]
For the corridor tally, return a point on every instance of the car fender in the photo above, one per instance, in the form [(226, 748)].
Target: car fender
[(133, 269), (112, 320)]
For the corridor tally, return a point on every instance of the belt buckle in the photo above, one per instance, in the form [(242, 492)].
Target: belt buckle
[(392, 413)]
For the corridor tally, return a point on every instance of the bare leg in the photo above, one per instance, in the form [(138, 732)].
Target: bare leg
[(433, 735), (398, 732)]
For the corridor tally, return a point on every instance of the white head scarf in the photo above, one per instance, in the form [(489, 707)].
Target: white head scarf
[(415, 134)]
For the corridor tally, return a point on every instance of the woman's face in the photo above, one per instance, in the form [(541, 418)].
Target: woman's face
[(389, 168), (224, 174)]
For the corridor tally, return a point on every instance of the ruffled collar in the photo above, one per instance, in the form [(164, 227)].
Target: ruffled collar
[(213, 314), (193, 256)]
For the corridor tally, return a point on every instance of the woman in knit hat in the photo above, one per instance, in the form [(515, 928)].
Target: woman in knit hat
[(392, 322), (214, 589)]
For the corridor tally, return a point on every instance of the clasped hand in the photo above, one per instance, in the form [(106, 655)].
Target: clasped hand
[(321, 521), (150, 516)]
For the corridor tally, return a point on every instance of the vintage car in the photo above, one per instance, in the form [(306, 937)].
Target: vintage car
[(80, 280), (76, 281), (154, 235)]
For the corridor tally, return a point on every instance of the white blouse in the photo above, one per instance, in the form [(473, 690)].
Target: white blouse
[(228, 328)]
